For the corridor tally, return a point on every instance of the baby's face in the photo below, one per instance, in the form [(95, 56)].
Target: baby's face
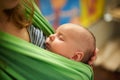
[(70, 40), (61, 42)]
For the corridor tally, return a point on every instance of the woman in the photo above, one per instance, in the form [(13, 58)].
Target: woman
[(14, 21)]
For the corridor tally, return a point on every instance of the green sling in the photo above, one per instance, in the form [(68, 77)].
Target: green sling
[(20, 60)]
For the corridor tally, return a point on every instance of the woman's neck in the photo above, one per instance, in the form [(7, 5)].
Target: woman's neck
[(9, 27), (3, 17)]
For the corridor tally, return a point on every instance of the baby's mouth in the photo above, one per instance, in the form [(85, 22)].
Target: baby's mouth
[(47, 46)]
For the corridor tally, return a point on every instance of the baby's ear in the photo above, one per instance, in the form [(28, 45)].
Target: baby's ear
[(77, 56)]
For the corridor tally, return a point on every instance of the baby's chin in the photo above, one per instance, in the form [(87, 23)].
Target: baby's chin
[(48, 49)]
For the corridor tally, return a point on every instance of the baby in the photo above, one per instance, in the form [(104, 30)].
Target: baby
[(72, 41)]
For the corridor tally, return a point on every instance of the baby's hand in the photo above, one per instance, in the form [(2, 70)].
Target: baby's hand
[(94, 57)]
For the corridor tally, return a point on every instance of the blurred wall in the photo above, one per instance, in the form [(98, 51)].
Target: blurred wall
[(102, 31)]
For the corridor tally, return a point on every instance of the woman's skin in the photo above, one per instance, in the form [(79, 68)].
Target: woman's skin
[(8, 25)]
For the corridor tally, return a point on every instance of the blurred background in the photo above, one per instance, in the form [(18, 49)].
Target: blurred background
[(102, 17)]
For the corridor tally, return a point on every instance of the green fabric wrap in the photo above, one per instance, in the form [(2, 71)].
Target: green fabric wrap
[(24, 61)]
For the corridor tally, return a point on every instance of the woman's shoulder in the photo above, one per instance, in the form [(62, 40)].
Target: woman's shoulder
[(37, 36)]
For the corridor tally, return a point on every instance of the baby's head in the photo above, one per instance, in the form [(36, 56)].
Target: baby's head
[(72, 41)]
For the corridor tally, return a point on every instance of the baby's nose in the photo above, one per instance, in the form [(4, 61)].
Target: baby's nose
[(52, 37)]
